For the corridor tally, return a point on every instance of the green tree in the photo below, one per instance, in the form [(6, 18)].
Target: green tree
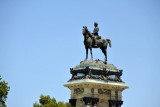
[(46, 101), (68, 104), (61, 104), (36, 104), (52, 103), (4, 88)]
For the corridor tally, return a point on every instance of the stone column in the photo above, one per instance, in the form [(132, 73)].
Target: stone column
[(119, 103), (113, 95), (95, 93), (94, 102), (72, 93), (73, 102), (87, 101), (111, 103), (87, 91), (119, 95)]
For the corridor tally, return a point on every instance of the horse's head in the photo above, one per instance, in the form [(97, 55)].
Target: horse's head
[(85, 30)]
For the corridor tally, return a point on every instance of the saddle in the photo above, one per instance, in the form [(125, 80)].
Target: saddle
[(91, 35), (98, 37)]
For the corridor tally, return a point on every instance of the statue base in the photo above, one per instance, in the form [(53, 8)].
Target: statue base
[(95, 84)]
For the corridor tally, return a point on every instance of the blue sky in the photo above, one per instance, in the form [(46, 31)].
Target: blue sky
[(40, 40)]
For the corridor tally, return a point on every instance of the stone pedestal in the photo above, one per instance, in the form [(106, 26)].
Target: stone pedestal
[(95, 84)]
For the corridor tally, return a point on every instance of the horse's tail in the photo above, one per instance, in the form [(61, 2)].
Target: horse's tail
[(109, 42)]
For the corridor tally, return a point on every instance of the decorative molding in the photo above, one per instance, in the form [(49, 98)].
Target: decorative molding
[(102, 74), (78, 90), (104, 91)]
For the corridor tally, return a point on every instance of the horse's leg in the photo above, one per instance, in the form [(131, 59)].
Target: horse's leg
[(105, 54), (86, 53), (91, 53)]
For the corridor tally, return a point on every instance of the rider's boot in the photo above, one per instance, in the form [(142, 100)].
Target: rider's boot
[(95, 44)]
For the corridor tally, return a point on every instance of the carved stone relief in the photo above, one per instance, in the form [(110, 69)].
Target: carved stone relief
[(78, 90), (104, 91)]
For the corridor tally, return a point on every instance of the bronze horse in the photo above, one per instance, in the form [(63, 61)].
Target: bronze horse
[(101, 43)]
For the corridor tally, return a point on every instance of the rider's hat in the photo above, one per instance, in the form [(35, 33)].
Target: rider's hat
[(95, 23)]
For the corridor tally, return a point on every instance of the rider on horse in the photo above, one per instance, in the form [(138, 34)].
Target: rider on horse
[(89, 41), (95, 33)]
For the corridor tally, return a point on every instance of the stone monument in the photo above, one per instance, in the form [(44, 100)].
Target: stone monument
[(96, 83)]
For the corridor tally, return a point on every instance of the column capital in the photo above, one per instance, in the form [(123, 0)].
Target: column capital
[(87, 100), (95, 101), (73, 102), (111, 103), (119, 103)]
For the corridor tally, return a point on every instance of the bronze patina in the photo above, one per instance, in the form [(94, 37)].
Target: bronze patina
[(93, 40)]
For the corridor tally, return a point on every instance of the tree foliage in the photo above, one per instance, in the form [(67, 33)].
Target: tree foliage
[(47, 101), (4, 88), (44, 99)]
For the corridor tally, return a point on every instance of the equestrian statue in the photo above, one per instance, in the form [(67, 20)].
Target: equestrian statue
[(93, 40)]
